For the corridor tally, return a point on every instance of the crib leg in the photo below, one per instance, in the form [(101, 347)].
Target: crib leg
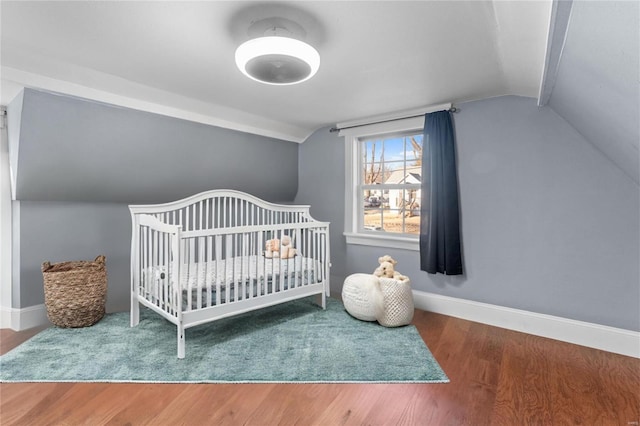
[(321, 299), (181, 344), (135, 310)]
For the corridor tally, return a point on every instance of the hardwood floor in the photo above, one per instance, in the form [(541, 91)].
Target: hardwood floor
[(498, 377)]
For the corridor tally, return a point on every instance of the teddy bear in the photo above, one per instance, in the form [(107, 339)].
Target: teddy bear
[(272, 248), (279, 248), (286, 250), (387, 269)]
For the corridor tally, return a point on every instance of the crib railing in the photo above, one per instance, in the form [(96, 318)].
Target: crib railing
[(231, 265), (188, 270), (228, 211), (155, 264)]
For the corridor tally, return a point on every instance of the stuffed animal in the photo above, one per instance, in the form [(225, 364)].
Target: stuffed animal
[(286, 251), (272, 248), (387, 269), (279, 248)]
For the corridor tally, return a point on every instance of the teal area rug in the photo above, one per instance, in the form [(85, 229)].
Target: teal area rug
[(292, 342)]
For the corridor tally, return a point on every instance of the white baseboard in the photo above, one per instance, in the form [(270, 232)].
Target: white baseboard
[(23, 319), (5, 317), (610, 339)]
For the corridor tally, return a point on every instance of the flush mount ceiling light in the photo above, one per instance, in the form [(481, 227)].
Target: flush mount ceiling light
[(277, 59)]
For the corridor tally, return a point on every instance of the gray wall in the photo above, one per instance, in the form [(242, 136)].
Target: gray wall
[(549, 224), (73, 149), (80, 164), (321, 183), (59, 231)]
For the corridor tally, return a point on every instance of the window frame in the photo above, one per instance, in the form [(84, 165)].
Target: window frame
[(354, 203)]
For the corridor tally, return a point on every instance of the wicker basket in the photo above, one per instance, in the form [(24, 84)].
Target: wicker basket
[(75, 292), (398, 302)]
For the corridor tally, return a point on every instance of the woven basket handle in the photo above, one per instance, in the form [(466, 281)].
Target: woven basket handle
[(101, 259), (46, 266)]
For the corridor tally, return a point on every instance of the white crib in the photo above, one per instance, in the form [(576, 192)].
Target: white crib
[(203, 258)]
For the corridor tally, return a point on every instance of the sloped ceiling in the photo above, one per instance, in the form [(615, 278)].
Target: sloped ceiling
[(378, 57), (597, 88), (177, 58)]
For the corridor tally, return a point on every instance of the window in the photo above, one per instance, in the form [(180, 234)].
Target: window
[(390, 173), (383, 183)]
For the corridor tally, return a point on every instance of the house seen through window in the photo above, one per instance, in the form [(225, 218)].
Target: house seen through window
[(390, 175)]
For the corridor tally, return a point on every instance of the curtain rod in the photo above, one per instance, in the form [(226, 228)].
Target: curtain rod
[(336, 129)]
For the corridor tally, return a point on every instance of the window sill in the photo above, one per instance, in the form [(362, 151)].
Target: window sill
[(387, 241)]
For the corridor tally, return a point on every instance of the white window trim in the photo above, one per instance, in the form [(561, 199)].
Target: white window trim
[(352, 200)]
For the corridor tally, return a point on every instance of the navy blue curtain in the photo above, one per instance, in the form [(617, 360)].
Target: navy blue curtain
[(440, 225)]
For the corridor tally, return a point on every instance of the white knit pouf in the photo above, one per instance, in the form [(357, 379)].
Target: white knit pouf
[(361, 296), (398, 302)]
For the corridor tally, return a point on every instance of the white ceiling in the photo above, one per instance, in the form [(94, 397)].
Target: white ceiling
[(177, 58)]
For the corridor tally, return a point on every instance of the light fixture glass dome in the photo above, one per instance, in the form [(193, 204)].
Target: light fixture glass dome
[(277, 60)]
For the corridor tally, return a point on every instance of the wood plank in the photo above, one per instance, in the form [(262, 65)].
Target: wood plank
[(350, 406), (18, 405), (154, 398)]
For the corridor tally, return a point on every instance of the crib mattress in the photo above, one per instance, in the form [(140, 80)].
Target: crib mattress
[(259, 275), (239, 269), (243, 269)]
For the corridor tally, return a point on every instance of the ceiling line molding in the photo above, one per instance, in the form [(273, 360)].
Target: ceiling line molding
[(558, 26), (38, 81)]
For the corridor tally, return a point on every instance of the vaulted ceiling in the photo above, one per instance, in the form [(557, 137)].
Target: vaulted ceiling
[(377, 57)]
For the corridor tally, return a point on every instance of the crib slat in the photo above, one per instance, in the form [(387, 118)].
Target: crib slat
[(229, 264), (169, 303), (219, 276), (309, 255), (201, 213), (238, 265), (298, 264), (282, 265), (243, 263), (206, 214), (187, 264), (209, 270), (261, 285), (168, 292), (237, 212), (254, 253), (154, 263), (144, 244), (224, 213), (163, 261), (200, 270), (317, 273), (164, 250)]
